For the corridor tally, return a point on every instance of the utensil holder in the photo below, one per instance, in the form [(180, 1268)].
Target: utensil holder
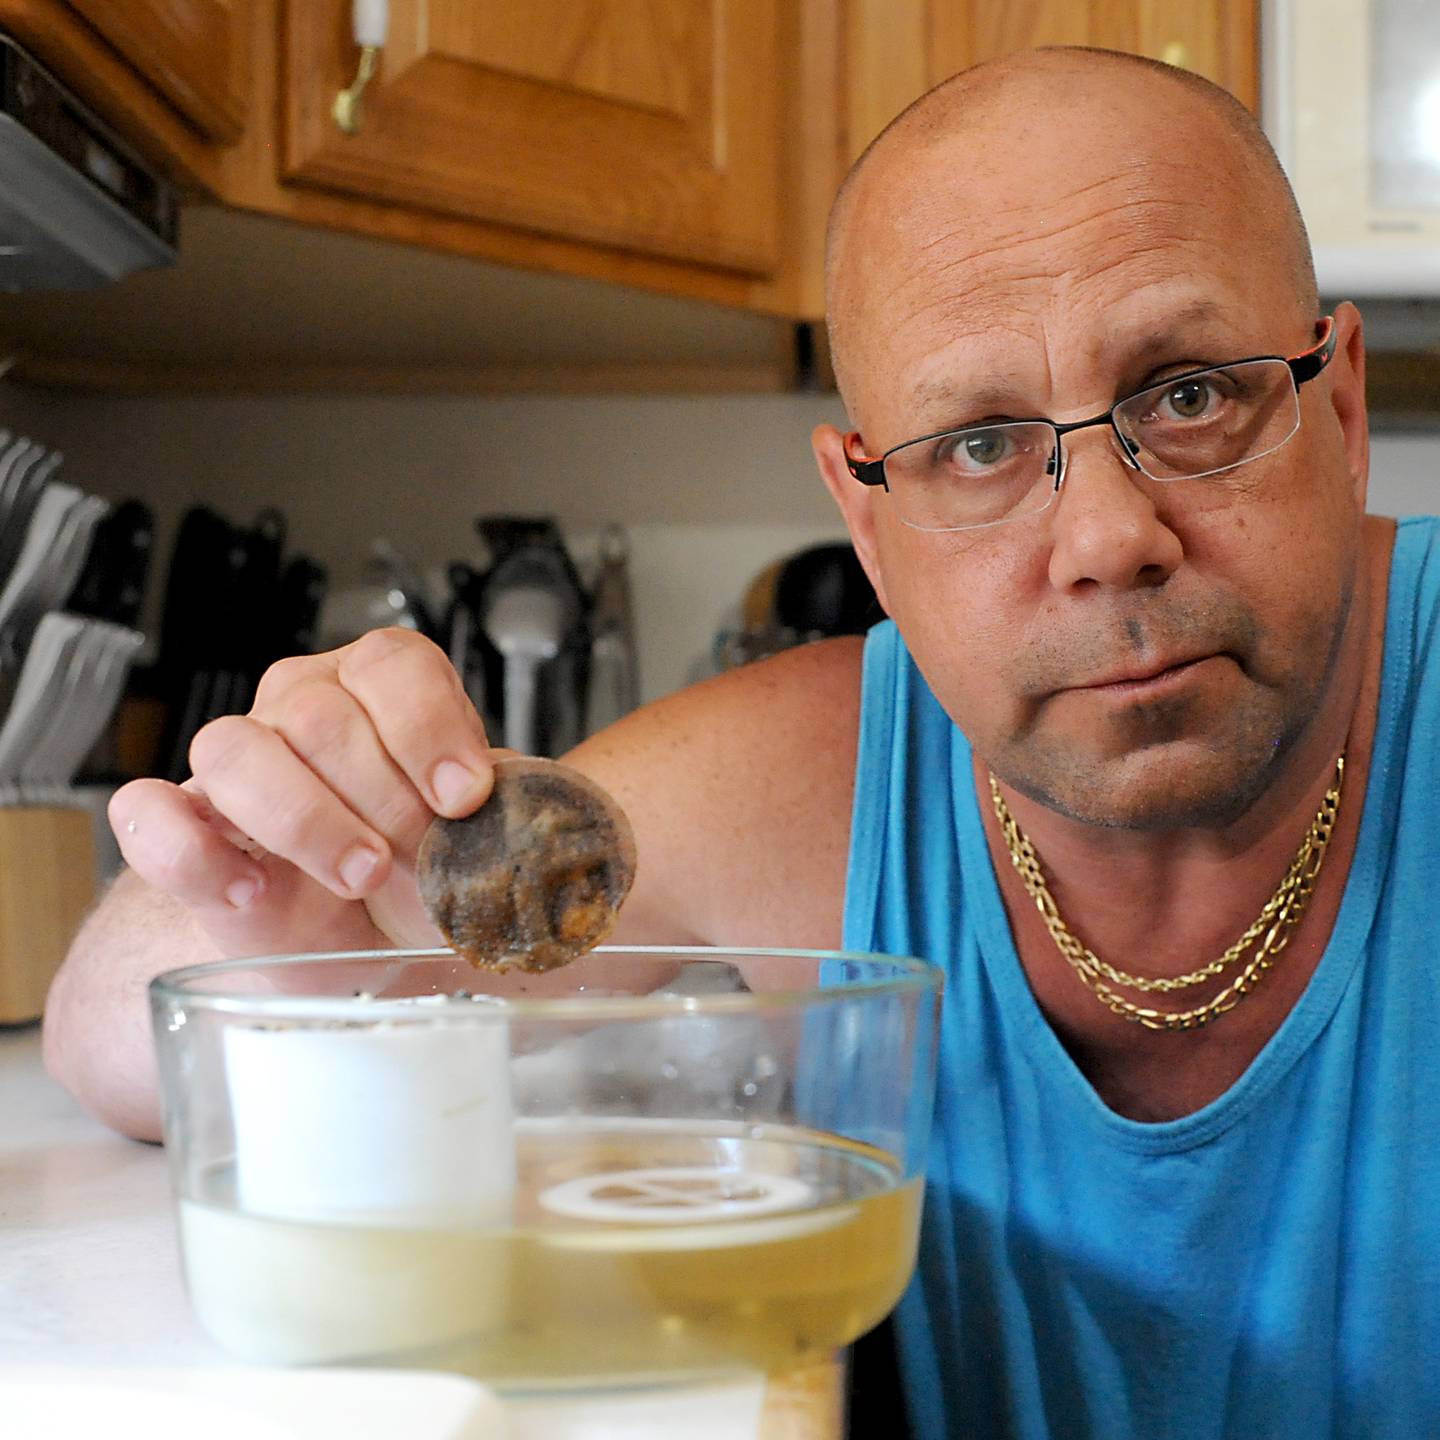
[(47, 882)]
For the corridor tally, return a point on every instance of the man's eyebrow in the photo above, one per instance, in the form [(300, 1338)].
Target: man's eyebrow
[(1180, 328), (946, 398), (941, 402)]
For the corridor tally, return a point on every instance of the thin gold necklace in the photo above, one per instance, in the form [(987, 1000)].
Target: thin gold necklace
[(1268, 934)]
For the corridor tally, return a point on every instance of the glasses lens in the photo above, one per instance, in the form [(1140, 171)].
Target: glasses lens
[(978, 476), (1213, 421)]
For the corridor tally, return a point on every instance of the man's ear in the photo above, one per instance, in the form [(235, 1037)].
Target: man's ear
[(1347, 395), (856, 502)]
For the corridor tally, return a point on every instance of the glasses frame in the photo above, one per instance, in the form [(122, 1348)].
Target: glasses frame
[(870, 470)]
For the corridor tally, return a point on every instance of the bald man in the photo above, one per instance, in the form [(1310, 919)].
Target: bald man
[(1144, 758)]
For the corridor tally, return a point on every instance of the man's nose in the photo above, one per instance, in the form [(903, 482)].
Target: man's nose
[(1106, 528)]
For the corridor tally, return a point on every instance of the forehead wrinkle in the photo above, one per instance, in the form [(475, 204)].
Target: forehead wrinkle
[(1025, 221), (1070, 254)]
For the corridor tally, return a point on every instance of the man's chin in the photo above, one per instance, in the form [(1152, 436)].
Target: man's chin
[(1161, 787)]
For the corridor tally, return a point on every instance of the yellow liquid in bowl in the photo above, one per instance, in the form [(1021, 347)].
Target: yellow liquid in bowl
[(638, 1251)]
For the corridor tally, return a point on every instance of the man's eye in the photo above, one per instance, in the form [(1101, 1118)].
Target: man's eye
[(1188, 400), (980, 448)]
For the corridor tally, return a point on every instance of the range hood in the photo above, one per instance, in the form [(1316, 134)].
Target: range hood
[(78, 208)]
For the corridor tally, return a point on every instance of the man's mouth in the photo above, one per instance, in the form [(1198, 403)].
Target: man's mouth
[(1144, 680)]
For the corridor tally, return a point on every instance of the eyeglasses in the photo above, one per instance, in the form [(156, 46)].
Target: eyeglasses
[(1189, 426)]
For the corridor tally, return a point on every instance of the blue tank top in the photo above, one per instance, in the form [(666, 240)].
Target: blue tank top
[(1267, 1266)]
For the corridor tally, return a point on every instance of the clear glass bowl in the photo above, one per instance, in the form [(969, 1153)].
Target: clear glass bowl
[(650, 1165)]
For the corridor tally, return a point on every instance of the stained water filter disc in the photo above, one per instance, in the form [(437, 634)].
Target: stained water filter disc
[(684, 1207)]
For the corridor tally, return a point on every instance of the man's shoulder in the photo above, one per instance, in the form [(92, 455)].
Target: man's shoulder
[(803, 704), (799, 696), (740, 791)]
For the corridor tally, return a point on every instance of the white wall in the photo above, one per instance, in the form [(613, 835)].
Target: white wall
[(1405, 474)]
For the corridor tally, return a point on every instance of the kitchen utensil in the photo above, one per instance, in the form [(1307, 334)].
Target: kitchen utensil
[(373, 1166), (42, 536), (62, 712), (810, 595), (194, 594), (216, 625), (401, 576), (526, 624), (58, 578), (92, 689), (824, 591), (546, 644), (353, 610), (17, 450), (38, 691), (56, 542), (503, 535), (462, 630), (112, 584), (299, 597), (21, 470), (20, 491), (613, 685), (250, 644), (56, 575)]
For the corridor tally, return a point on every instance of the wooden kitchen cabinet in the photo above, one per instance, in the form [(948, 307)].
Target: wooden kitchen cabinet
[(688, 148), (651, 128), (898, 49), (171, 77), (194, 52)]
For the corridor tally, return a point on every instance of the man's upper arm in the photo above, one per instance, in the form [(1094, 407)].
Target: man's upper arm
[(740, 791)]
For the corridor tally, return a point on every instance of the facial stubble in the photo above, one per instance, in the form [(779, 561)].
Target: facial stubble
[(1209, 781)]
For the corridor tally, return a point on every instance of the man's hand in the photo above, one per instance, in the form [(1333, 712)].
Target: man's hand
[(300, 826)]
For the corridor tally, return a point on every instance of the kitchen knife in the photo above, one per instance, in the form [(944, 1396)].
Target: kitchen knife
[(19, 495), (44, 536), (296, 615), (112, 584), (38, 690), (613, 687)]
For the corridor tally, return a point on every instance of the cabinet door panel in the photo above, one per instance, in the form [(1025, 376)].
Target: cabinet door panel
[(612, 51), (999, 29), (195, 52), (1215, 38), (1218, 41), (647, 127)]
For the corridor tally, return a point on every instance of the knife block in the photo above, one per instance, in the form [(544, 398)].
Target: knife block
[(47, 881)]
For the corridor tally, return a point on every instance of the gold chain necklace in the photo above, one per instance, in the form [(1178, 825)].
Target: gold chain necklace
[(1268, 933)]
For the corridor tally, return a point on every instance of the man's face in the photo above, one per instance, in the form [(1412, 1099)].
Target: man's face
[(1141, 653)]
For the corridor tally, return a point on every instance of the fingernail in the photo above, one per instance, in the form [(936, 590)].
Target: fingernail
[(454, 784), (358, 866), (241, 892)]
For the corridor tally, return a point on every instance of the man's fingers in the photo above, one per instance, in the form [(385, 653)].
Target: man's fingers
[(420, 711), (167, 840), (329, 730), (253, 778)]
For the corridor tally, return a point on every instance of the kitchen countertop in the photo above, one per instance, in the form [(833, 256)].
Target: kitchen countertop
[(90, 1274)]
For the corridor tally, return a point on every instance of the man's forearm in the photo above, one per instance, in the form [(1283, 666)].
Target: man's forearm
[(97, 1017)]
